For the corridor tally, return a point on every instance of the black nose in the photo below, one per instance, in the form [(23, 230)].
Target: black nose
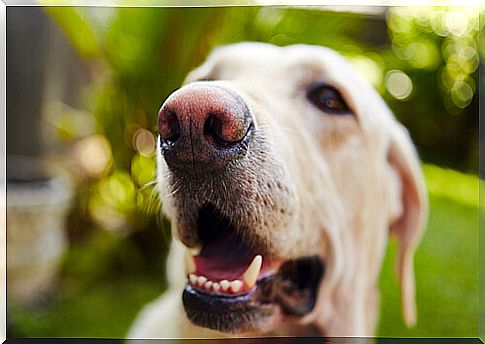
[(203, 127)]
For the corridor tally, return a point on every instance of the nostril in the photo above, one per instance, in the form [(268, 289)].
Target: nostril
[(225, 131), (168, 126), (213, 130)]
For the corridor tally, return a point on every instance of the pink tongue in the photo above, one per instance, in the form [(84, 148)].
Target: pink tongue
[(223, 258)]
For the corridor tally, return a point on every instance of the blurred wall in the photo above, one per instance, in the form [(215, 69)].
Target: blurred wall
[(25, 66), (40, 64)]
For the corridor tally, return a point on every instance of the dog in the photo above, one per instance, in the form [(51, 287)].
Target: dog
[(283, 174)]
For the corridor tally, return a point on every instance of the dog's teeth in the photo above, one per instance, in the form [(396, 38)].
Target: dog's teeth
[(201, 280), (225, 284), (208, 285), (189, 263), (252, 272), (236, 285), (216, 286), (193, 279)]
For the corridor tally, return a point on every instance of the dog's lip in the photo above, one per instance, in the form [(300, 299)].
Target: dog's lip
[(290, 291), (229, 313)]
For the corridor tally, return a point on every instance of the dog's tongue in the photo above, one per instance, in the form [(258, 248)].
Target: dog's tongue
[(223, 258)]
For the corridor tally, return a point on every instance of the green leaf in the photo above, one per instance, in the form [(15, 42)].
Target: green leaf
[(75, 24)]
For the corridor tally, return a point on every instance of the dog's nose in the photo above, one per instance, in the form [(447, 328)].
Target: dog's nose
[(203, 127)]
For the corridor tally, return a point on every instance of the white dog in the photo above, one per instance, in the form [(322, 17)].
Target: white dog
[(283, 174)]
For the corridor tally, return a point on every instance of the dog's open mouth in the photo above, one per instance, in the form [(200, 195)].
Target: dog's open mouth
[(233, 287)]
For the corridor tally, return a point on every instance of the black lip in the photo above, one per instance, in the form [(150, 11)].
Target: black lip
[(232, 314), (296, 285), (292, 291)]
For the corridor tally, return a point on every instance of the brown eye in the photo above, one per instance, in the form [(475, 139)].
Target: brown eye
[(328, 99)]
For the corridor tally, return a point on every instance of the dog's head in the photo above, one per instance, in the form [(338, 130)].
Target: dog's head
[(283, 173)]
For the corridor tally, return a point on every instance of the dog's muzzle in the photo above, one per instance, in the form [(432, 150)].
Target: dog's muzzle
[(235, 283), (203, 127)]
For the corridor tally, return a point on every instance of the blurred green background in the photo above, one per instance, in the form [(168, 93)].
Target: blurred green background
[(423, 61)]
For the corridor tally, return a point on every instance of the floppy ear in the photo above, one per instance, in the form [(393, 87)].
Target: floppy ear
[(408, 227)]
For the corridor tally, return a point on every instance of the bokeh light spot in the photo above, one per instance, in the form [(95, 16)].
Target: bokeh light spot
[(93, 154), (461, 94), (144, 142), (399, 84), (423, 54), (456, 22)]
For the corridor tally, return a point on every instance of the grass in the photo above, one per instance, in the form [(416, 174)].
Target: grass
[(105, 311), (446, 265)]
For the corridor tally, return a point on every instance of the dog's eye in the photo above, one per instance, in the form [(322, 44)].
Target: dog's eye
[(328, 99)]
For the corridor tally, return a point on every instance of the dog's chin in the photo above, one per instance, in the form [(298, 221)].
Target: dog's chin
[(234, 288)]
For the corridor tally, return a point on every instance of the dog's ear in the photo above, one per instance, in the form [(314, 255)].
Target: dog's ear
[(409, 225)]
